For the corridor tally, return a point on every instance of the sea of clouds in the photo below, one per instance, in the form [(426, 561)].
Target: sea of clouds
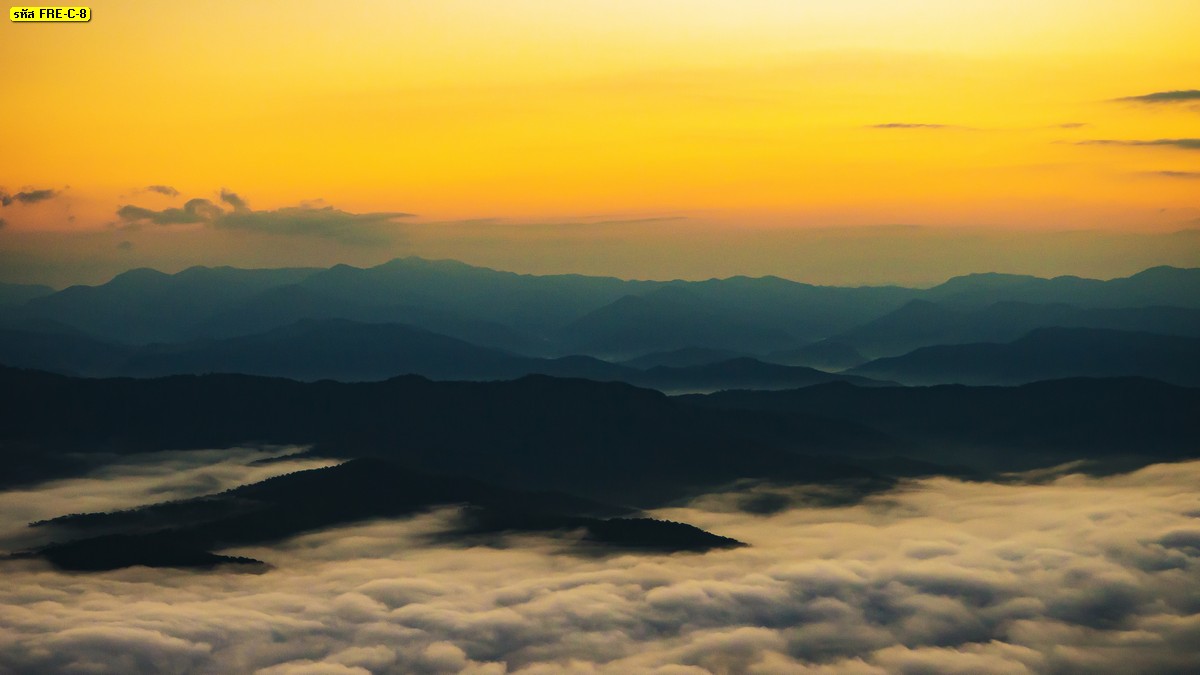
[(1066, 575)]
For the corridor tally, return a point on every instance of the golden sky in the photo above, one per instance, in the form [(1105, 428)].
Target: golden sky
[(741, 114)]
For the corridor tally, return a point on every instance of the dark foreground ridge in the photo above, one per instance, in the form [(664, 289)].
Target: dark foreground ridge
[(185, 533), (607, 441), (610, 442)]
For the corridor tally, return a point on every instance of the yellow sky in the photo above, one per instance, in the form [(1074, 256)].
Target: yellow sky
[(740, 112)]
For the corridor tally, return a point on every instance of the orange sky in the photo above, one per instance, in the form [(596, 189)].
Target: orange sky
[(731, 114)]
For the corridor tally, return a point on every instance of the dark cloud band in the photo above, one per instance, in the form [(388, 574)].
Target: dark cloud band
[(27, 196), (1176, 96), (1186, 175), (311, 221), (1181, 143), (911, 125)]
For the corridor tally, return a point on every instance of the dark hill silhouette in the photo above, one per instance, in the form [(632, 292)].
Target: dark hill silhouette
[(182, 534), (1005, 428), (1047, 353), (608, 441)]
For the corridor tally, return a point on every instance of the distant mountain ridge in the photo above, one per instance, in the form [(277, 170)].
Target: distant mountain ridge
[(564, 315), (1162, 285), (660, 320), (922, 323), (1047, 354), (350, 351), (16, 294)]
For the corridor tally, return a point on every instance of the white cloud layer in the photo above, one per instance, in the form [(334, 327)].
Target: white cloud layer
[(1079, 575)]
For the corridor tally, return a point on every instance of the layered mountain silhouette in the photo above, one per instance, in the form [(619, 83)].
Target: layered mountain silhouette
[(661, 320), (1046, 354), (286, 305), (350, 351), (921, 323), (145, 305), (561, 315)]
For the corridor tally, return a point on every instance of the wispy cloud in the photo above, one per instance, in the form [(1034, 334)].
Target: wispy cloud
[(307, 220), (139, 479), (162, 190), (913, 125), (194, 211), (27, 196), (1188, 175), (232, 199), (1176, 96), (327, 222), (1181, 143)]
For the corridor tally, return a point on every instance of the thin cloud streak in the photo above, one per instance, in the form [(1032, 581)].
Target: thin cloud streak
[(27, 196), (1187, 175), (1175, 96), (911, 125), (1181, 143)]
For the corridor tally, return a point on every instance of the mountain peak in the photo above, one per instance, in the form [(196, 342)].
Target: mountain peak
[(139, 275), (984, 280)]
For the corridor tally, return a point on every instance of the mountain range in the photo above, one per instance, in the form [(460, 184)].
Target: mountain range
[(1045, 354), (450, 321), (564, 405), (557, 314)]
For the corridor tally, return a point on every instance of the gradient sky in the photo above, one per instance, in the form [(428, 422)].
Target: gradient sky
[(659, 139)]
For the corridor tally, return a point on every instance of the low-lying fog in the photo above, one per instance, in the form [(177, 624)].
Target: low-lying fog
[(1075, 575)]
